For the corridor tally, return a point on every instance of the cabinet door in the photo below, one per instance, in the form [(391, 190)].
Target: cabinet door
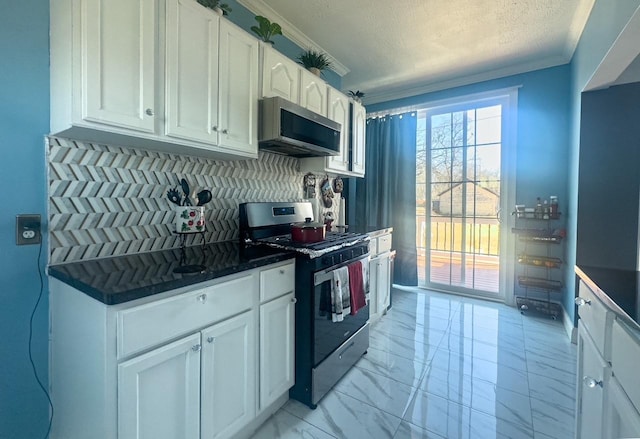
[(191, 72), (238, 92), (313, 92), (383, 283), (591, 381), (276, 348), (159, 392), (118, 40), (358, 127), (623, 419), (228, 376), (280, 75), (374, 268), (339, 111)]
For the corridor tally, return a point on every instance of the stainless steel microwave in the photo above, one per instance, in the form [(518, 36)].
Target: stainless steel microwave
[(288, 128)]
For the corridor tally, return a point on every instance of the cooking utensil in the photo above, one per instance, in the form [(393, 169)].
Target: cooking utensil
[(174, 196), (203, 197), (194, 196), (185, 189), (308, 231)]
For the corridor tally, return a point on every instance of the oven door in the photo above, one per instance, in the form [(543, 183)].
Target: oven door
[(329, 335)]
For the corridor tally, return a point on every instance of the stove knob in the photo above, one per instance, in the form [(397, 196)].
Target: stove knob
[(327, 261)]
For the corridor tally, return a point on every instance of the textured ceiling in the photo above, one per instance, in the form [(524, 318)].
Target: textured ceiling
[(394, 49)]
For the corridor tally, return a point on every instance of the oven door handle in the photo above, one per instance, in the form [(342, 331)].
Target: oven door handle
[(325, 275)]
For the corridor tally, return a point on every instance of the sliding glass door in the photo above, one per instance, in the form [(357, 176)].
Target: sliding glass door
[(460, 187)]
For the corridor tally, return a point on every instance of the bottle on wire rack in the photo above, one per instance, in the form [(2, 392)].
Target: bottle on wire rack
[(553, 207), (538, 212)]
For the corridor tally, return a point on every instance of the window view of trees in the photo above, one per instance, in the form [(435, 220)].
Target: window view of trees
[(458, 191)]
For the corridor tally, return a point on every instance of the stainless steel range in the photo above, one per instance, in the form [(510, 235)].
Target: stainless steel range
[(325, 349)]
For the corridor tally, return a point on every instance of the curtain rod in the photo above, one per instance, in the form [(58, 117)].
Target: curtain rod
[(447, 101), (395, 111)]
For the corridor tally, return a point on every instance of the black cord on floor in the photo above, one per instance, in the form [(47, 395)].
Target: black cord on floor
[(33, 366)]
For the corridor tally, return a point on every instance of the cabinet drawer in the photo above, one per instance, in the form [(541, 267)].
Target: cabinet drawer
[(597, 320), (277, 281), (373, 247), (384, 243), (625, 358), (147, 325)]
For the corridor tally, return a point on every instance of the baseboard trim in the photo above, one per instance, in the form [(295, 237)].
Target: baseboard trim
[(572, 331)]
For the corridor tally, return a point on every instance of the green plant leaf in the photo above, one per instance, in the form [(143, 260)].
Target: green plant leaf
[(265, 29)]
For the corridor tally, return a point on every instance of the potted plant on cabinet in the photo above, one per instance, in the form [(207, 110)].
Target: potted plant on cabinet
[(356, 95), (314, 61), (215, 5), (266, 29)]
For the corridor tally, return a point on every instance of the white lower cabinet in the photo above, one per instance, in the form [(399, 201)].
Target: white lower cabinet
[(379, 287), (277, 319), (184, 365), (159, 392), (607, 391), (593, 377), (380, 276), (228, 399), (622, 418)]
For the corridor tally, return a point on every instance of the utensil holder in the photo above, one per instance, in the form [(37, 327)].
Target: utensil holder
[(190, 219)]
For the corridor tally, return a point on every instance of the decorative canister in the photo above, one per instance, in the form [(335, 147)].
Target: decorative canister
[(190, 219)]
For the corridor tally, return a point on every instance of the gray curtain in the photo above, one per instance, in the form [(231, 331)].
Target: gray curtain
[(387, 196)]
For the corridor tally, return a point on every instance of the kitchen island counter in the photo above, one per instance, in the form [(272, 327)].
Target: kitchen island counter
[(618, 289), (124, 278)]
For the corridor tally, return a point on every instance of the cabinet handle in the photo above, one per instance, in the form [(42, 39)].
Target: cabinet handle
[(202, 298), (225, 131), (214, 128), (591, 382), (211, 339), (294, 300), (582, 301), (281, 271), (196, 348), (346, 349), (149, 112)]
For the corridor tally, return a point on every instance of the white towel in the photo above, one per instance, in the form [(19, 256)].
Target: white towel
[(340, 296), (365, 278)]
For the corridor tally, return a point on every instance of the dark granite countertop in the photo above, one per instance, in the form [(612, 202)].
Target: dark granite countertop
[(618, 289), (125, 278)]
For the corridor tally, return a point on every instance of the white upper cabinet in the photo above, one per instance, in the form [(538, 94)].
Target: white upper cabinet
[(313, 92), (192, 71), (280, 75), (358, 133), (338, 111), (117, 46), (238, 91), (166, 75)]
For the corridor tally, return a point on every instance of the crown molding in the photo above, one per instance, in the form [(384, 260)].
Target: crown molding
[(259, 7)]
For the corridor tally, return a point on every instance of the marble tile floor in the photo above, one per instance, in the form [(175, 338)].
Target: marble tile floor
[(444, 366)]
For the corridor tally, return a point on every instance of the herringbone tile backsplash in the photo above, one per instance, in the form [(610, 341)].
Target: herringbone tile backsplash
[(110, 201)]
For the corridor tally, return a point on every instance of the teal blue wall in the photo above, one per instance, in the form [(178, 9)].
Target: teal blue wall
[(24, 120), (605, 23)]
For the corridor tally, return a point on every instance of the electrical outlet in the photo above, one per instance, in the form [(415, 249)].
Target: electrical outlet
[(28, 229)]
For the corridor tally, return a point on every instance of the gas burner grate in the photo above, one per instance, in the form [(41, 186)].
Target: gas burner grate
[(332, 239)]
